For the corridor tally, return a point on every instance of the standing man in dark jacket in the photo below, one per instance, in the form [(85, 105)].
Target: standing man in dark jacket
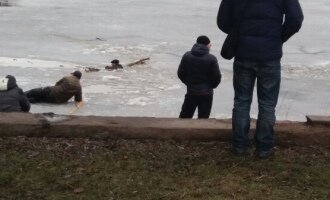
[(12, 98), (199, 71), (264, 27), (64, 90)]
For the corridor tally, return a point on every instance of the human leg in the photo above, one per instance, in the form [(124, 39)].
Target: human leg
[(188, 107), (268, 86), (40, 95), (205, 106), (244, 80)]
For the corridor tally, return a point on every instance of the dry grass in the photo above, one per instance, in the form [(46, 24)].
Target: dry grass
[(35, 168)]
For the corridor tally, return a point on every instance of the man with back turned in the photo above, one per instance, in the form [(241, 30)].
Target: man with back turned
[(265, 25), (199, 71)]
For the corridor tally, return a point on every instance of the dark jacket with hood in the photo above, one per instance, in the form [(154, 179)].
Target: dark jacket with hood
[(12, 98), (199, 71), (66, 88), (265, 26)]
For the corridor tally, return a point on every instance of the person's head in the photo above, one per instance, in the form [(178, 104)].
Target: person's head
[(8, 83), (77, 74), (115, 62), (204, 40)]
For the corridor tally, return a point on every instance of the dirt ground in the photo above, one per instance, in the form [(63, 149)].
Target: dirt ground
[(49, 168)]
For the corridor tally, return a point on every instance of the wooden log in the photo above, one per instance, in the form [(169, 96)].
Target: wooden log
[(91, 69), (139, 62)]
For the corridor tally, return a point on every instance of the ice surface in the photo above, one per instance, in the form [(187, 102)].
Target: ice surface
[(43, 40)]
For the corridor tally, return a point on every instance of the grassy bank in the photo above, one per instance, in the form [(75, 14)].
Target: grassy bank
[(32, 168)]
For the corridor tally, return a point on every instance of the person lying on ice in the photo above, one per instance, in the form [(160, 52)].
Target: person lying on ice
[(62, 92), (12, 98)]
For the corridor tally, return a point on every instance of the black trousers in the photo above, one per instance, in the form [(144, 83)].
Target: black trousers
[(202, 102), (42, 94)]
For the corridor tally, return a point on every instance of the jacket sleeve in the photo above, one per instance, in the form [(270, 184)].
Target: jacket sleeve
[(23, 101), (293, 19), (215, 74), (182, 70), (78, 96), (225, 18)]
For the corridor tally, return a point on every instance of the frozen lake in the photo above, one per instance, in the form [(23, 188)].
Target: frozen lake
[(44, 40)]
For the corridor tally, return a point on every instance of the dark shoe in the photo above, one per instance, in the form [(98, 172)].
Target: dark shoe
[(239, 152), (265, 154)]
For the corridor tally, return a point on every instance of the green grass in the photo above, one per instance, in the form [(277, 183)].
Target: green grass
[(32, 168)]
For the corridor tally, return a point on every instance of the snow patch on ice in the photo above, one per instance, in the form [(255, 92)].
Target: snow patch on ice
[(109, 48), (174, 87), (138, 101), (110, 77), (27, 62)]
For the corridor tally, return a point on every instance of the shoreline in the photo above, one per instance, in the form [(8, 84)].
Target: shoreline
[(314, 132)]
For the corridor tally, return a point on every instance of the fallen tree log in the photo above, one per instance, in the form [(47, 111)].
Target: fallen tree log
[(50, 125), (139, 62)]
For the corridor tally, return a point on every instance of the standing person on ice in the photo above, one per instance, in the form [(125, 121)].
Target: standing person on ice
[(263, 27), (199, 71)]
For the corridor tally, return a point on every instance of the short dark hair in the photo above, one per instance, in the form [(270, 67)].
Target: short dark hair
[(115, 61), (203, 39)]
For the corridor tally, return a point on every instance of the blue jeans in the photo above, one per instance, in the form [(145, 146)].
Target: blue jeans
[(268, 76)]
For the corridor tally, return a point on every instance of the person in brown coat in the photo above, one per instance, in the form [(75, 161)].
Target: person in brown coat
[(62, 92)]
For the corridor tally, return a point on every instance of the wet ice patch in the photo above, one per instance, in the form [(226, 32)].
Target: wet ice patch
[(53, 118), (317, 71), (94, 89)]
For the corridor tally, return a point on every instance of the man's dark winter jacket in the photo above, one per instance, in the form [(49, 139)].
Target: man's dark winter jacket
[(199, 71), (264, 28), (12, 98), (66, 88)]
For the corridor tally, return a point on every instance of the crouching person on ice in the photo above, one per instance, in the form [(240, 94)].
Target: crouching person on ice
[(200, 72), (62, 92), (12, 98)]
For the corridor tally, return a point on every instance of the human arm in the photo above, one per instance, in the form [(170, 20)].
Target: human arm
[(182, 71), (23, 101), (293, 19), (225, 18), (215, 74), (78, 96)]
